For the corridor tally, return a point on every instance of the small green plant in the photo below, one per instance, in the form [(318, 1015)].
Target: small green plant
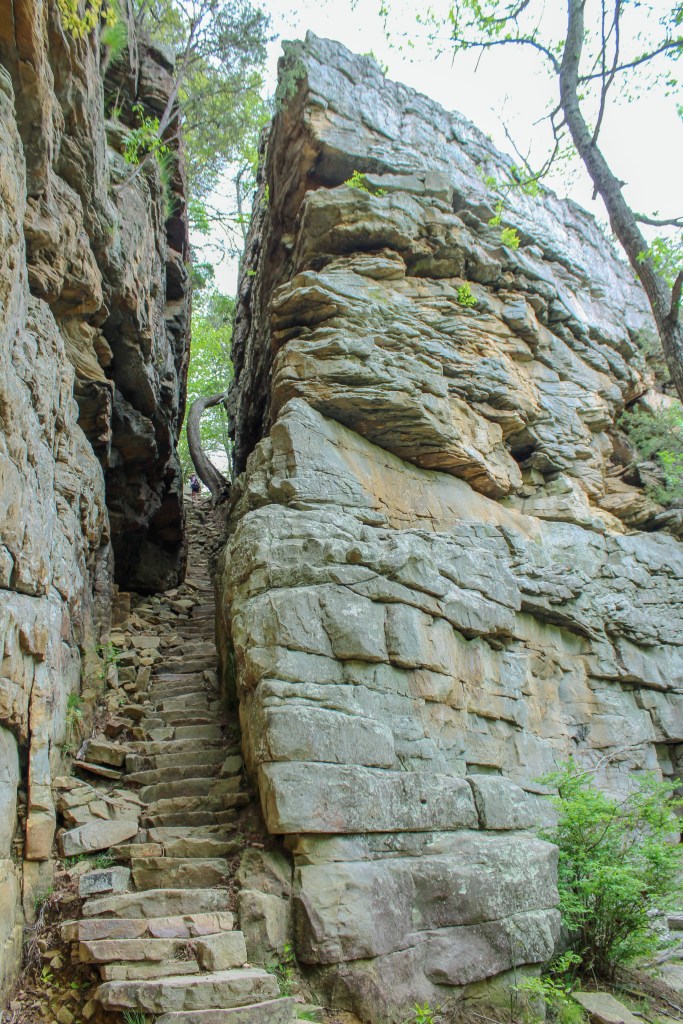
[(422, 1014), (74, 716), (284, 970), (251, 273), (292, 72), (659, 436), (465, 297), (78, 858), (666, 257), (114, 35), (266, 195), (41, 899), (617, 867), (103, 861), (554, 988), (134, 1017), (144, 140), (495, 221), (166, 162), (359, 181), (510, 238), (47, 977), (79, 20)]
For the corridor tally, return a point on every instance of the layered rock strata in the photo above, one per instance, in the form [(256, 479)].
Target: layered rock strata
[(93, 307), (433, 591)]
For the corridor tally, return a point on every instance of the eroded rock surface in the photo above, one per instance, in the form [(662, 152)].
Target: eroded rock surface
[(433, 589), (93, 351)]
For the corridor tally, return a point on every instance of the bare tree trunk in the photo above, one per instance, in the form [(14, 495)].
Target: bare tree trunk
[(206, 471), (663, 302)]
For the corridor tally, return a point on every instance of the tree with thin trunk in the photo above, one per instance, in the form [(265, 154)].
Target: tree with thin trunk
[(608, 47), (210, 476)]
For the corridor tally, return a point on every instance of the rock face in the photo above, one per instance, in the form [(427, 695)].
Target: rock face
[(429, 596), (93, 307)]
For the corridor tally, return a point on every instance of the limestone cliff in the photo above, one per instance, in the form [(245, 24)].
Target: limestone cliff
[(94, 304), (437, 584)]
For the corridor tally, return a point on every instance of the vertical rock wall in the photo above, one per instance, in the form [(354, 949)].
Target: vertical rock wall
[(94, 309), (437, 584)]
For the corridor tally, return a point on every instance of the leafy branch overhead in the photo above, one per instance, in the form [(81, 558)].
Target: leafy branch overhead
[(606, 49), (216, 98)]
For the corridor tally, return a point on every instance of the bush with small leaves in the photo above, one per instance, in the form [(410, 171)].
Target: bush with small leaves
[(510, 238), (617, 867), (359, 181), (465, 297), (79, 20), (659, 436)]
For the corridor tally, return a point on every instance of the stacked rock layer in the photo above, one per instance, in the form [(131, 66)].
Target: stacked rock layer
[(94, 304), (437, 585)]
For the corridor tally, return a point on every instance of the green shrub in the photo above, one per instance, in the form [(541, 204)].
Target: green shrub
[(359, 181), (422, 1014), (465, 297), (659, 436), (510, 238), (79, 22), (554, 987), (144, 139), (616, 867)]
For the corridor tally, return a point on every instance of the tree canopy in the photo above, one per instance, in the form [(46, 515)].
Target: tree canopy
[(216, 102), (606, 48)]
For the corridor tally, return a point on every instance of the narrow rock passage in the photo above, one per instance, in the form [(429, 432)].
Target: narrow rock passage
[(160, 925)]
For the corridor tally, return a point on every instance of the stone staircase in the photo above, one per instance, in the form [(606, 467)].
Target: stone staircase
[(159, 923)]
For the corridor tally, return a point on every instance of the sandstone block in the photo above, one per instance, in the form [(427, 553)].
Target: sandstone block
[(299, 797), (114, 880), (501, 804), (96, 836), (221, 952), (264, 920)]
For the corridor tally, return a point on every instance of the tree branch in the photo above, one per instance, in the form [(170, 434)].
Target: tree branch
[(672, 222), (466, 44), (676, 297), (673, 44)]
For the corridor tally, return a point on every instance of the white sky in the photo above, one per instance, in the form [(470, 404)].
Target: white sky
[(643, 140)]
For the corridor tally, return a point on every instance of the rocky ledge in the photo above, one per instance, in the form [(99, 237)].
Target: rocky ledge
[(435, 587)]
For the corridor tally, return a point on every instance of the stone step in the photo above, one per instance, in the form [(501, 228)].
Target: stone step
[(199, 846), (104, 951), (150, 748), (198, 732), (162, 835), (225, 989), (185, 665), (273, 1011), (190, 716), (181, 872), (202, 785), (152, 762), (189, 819), (181, 926), (169, 902), (163, 677), (194, 700), (145, 969), (214, 803), (173, 773), (221, 951)]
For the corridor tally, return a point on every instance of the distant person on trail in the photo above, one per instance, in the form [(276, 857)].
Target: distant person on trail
[(195, 486)]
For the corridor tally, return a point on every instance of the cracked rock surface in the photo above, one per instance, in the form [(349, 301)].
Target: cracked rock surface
[(437, 583)]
